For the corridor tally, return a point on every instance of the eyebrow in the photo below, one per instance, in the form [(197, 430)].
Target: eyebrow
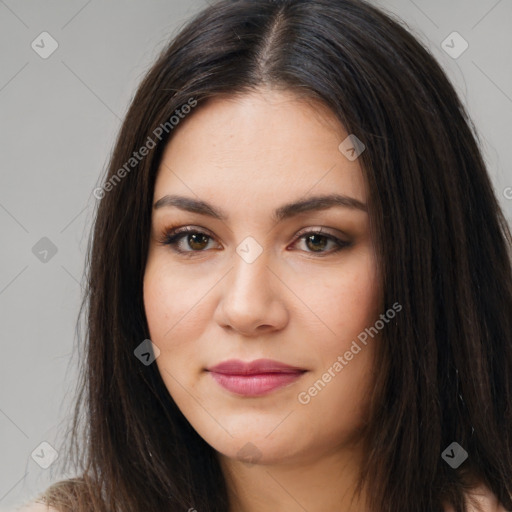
[(322, 202)]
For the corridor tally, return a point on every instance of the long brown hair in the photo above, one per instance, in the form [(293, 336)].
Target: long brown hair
[(445, 363)]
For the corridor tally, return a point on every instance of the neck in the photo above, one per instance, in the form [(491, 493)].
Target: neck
[(324, 482)]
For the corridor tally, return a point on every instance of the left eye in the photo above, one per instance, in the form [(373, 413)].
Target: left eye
[(317, 241), (198, 241)]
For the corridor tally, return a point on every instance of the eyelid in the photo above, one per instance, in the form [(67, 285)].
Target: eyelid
[(174, 232), (338, 240), (322, 230)]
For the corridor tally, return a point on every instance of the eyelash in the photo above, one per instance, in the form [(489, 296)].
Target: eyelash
[(173, 236)]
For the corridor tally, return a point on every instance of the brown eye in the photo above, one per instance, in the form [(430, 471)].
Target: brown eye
[(316, 242), (186, 240), (197, 241), (321, 243), (190, 240)]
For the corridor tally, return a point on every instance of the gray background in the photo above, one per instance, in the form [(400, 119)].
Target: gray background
[(59, 117)]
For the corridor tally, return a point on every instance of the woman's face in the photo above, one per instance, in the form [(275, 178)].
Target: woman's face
[(247, 175)]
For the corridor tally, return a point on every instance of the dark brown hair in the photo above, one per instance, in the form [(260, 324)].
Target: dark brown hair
[(444, 253)]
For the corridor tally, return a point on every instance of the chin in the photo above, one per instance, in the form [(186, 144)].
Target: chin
[(257, 447)]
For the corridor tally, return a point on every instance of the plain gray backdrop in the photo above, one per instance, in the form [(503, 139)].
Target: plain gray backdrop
[(60, 113)]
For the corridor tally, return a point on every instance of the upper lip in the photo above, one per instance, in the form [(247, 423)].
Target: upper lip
[(258, 366)]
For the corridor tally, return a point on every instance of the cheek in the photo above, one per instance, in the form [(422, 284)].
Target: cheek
[(357, 303), (175, 316), (159, 307), (169, 300), (347, 300)]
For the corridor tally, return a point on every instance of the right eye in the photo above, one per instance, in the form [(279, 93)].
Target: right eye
[(186, 239)]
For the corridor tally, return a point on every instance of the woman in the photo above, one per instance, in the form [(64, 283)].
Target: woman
[(300, 290)]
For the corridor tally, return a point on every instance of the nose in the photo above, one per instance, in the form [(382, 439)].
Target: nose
[(252, 299)]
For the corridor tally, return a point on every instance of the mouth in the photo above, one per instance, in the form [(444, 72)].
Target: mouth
[(254, 378)]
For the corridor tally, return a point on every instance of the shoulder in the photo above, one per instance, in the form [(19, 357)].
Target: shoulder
[(481, 499), (65, 494), (35, 507), (487, 500)]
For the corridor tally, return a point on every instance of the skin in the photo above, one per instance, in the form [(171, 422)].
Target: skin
[(249, 155)]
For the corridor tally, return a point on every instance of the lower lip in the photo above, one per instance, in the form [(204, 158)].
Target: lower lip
[(257, 384)]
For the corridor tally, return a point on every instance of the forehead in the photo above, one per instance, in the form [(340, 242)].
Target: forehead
[(259, 147)]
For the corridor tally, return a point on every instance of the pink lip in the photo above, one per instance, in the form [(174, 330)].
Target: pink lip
[(254, 378)]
